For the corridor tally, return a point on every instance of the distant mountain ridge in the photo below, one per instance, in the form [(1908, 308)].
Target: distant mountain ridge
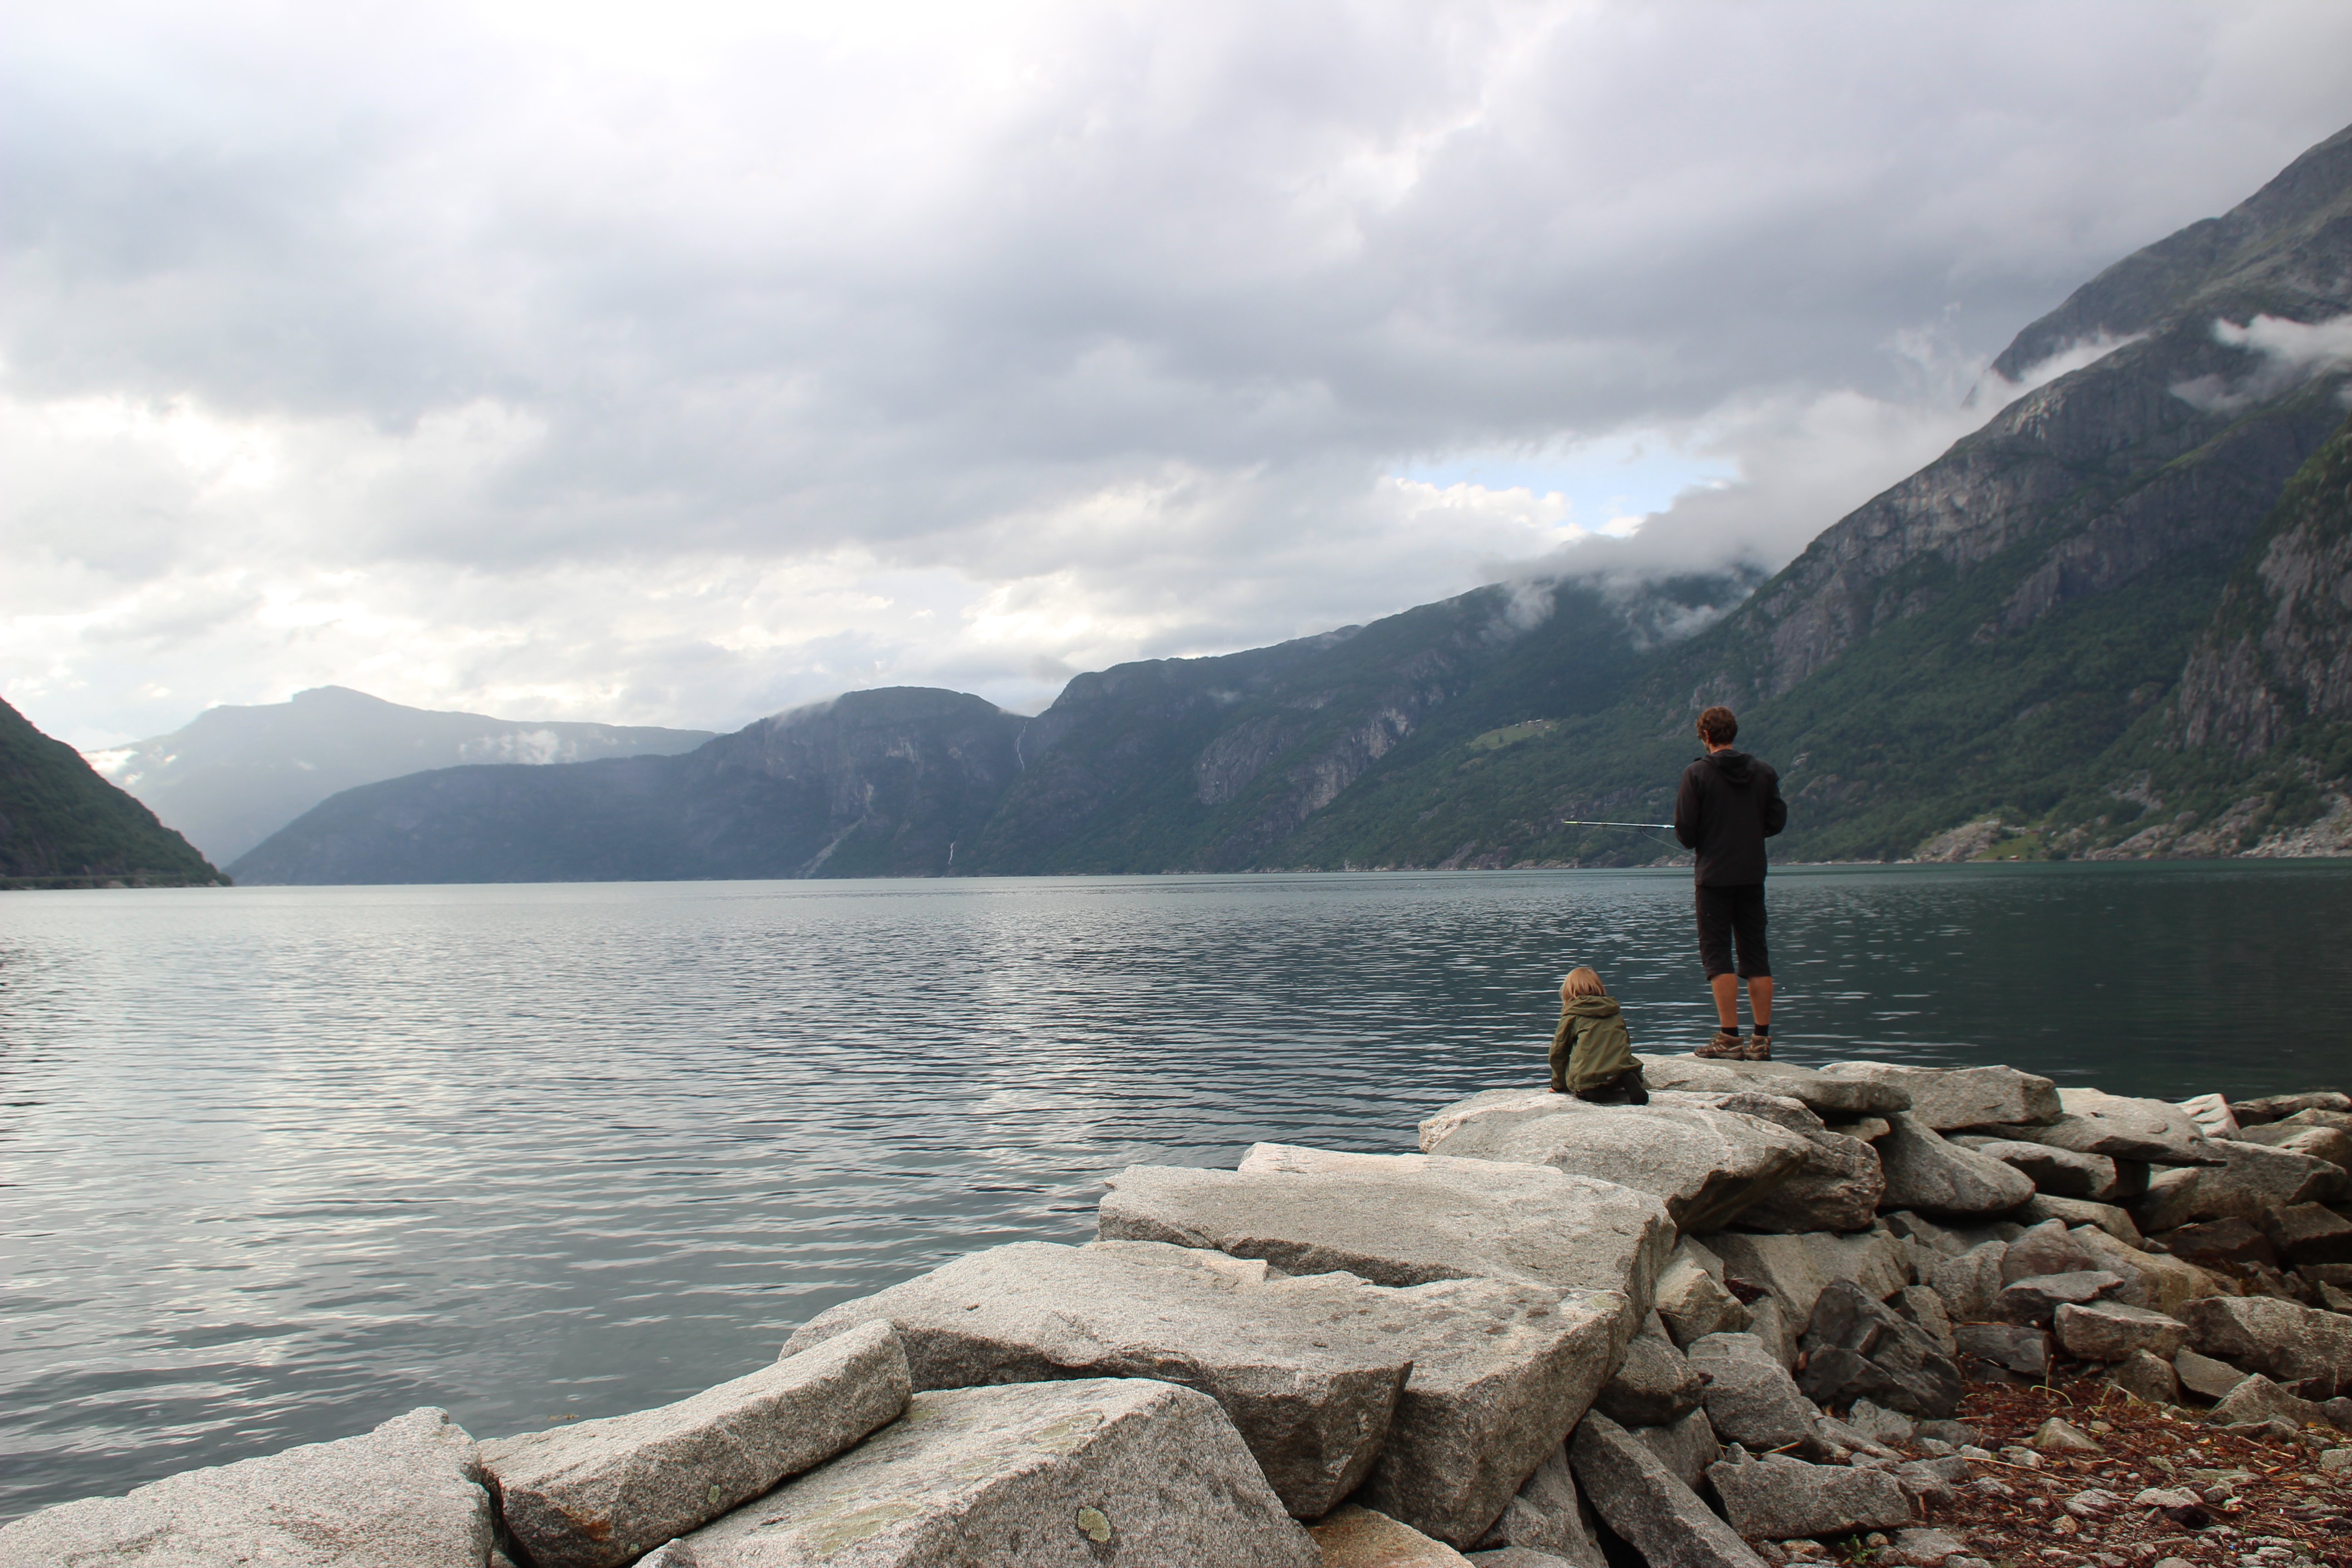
[(233, 775), (63, 826), (2113, 621)]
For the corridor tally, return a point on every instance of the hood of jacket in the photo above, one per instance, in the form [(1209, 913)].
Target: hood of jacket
[(1737, 767), (1591, 1007)]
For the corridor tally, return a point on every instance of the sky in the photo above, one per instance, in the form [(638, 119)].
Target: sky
[(681, 364)]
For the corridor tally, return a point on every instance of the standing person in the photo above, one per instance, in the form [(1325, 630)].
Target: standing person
[(1729, 803)]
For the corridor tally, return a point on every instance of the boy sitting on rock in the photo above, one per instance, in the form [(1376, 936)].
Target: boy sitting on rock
[(1592, 1055)]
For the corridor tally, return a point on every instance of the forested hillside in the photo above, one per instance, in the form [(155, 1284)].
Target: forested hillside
[(63, 826)]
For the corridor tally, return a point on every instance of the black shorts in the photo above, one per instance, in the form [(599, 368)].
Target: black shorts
[(1725, 913)]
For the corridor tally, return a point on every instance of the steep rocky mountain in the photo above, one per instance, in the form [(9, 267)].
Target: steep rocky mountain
[(63, 826), (873, 784), (1994, 637), (234, 775)]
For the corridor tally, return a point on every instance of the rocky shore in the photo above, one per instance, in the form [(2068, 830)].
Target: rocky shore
[(1866, 1314)]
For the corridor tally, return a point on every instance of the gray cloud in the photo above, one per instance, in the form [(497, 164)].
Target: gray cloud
[(683, 366)]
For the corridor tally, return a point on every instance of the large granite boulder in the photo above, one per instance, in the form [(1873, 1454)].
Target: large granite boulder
[(1547, 1515), (1946, 1099), (1501, 1374), (407, 1495), (2117, 1222), (1654, 1513), (2307, 1234), (1839, 1186), (1928, 1174), (1403, 1220), (1088, 1470), (603, 1493), (1777, 1498), (2291, 1343), (1308, 1381), (2333, 1145), (1832, 1099), (2245, 1181), (1704, 1164), (2046, 1249), (1357, 1537), (1795, 1268), (2121, 1128), (1749, 1398), (2278, 1106), (1857, 1347)]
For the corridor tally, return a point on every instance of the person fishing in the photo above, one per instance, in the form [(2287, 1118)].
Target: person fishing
[(1729, 803)]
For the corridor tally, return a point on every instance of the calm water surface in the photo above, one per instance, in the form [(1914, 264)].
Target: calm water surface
[(281, 1163)]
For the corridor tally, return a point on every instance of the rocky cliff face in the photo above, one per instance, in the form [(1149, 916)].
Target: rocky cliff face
[(2177, 440), (2278, 658)]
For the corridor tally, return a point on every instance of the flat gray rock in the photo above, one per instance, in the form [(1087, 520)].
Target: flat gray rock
[(2114, 1331), (2286, 1340), (1832, 1099), (1838, 1187), (2249, 1182), (1501, 1372), (1548, 1515), (407, 1495), (2151, 1279), (2037, 1299), (1641, 1501), (2117, 1222), (2205, 1375), (1705, 1166), (2122, 1128), (1933, 1176), (1777, 1498), (1402, 1219), (1654, 1385), (2047, 1249), (1750, 1399), (2333, 1145), (1949, 1098), (1025, 1476), (602, 1493), (2060, 1173), (2257, 1399), (1796, 1268), (1881, 1424), (1300, 1365)]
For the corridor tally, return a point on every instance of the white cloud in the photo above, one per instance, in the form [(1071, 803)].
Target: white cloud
[(677, 364), (2291, 351)]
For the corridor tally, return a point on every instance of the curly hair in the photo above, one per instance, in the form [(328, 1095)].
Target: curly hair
[(1719, 726)]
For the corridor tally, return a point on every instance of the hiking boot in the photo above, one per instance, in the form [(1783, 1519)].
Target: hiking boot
[(1759, 1048), (1724, 1048)]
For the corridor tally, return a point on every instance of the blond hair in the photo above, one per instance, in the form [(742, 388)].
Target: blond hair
[(1581, 982)]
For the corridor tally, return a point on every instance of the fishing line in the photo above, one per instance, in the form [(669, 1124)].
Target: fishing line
[(1651, 828)]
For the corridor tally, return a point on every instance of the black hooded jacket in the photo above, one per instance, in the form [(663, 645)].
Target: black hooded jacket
[(1729, 803)]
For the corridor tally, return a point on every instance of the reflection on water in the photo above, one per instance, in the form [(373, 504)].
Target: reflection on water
[(281, 1163)]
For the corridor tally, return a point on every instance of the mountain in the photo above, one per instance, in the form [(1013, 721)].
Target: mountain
[(873, 783), (1157, 765), (2111, 622), (236, 775), (63, 826)]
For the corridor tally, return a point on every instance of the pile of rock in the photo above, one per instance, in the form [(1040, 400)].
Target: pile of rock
[(1707, 1331)]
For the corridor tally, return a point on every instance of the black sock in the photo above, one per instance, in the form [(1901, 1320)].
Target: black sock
[(1763, 1028)]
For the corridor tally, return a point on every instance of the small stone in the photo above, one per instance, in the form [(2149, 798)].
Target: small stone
[(2203, 1374), (1654, 1385), (1548, 1515), (1750, 1399), (1686, 1448), (2059, 1436), (2258, 1400), (1778, 1496), (1692, 1300), (2018, 1348), (1969, 1283), (2336, 1459), (1925, 1548), (1885, 1425)]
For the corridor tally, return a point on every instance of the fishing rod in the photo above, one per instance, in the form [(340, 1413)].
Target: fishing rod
[(1580, 822)]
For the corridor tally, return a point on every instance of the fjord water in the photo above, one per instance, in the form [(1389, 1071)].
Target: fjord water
[(282, 1162)]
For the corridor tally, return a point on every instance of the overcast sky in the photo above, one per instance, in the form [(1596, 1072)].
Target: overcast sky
[(679, 363)]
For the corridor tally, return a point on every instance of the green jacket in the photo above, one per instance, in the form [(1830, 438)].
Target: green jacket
[(1591, 1045)]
